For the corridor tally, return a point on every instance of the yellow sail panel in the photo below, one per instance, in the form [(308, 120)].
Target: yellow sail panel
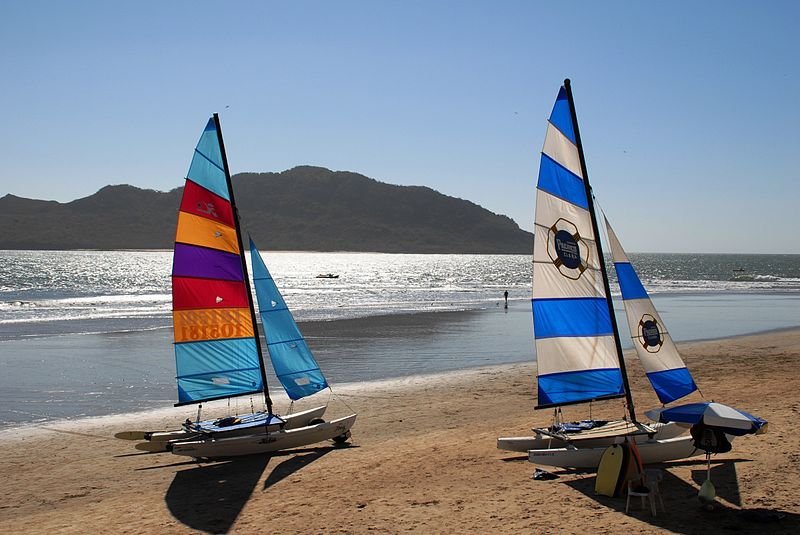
[(212, 324), (195, 230)]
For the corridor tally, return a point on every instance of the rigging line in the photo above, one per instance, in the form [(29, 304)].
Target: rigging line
[(343, 402)]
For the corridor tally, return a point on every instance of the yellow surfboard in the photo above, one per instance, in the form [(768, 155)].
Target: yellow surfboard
[(608, 472)]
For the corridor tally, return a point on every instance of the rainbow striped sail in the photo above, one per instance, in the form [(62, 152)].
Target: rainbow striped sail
[(576, 350), (294, 364), (216, 347), (662, 363)]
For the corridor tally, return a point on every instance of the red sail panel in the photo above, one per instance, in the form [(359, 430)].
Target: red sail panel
[(189, 293), (199, 201)]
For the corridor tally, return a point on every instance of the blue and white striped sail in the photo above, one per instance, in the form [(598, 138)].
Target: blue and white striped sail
[(295, 366), (660, 358), (575, 347)]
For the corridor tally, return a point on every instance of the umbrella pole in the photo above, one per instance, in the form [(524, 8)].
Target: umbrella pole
[(707, 491)]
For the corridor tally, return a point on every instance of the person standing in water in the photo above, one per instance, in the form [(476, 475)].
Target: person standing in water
[(505, 295)]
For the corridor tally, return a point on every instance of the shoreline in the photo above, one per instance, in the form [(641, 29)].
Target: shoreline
[(406, 383), (497, 337)]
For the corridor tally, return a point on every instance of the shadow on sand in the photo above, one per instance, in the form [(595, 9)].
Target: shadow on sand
[(684, 512), (210, 496)]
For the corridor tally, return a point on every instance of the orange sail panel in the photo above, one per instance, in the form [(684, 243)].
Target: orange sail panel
[(212, 324), (196, 230)]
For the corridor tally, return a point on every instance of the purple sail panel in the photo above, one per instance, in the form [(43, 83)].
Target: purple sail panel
[(199, 262)]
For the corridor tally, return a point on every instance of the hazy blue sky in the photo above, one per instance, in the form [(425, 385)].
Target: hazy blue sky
[(688, 110)]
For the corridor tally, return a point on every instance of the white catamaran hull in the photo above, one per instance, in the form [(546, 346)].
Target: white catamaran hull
[(265, 443), (651, 451), (540, 442), (157, 441)]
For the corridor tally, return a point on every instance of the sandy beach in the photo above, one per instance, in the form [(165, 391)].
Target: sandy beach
[(423, 460)]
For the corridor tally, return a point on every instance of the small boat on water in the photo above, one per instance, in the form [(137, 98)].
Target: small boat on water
[(327, 276)]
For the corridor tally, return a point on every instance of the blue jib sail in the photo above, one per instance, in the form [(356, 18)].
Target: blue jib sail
[(660, 359), (295, 366), (575, 347)]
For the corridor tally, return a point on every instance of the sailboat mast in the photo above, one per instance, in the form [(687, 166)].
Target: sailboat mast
[(267, 399), (596, 231)]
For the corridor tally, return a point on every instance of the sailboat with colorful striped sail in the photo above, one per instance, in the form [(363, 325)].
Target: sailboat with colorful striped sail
[(218, 352), (578, 349), (297, 371)]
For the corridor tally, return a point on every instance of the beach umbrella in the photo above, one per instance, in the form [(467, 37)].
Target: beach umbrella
[(715, 415), (710, 423)]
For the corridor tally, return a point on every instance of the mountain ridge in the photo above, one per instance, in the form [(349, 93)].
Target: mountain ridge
[(303, 208)]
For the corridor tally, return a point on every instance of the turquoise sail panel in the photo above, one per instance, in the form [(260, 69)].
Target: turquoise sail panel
[(207, 168), (214, 369), (295, 366)]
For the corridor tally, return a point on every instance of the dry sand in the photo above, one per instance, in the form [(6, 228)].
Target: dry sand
[(423, 461)]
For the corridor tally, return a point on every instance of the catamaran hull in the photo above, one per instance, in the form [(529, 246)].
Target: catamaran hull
[(157, 441), (541, 442), (265, 443), (651, 451)]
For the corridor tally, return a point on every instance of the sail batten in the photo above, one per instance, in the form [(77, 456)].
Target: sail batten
[(294, 364), (574, 331), (654, 346), (216, 349)]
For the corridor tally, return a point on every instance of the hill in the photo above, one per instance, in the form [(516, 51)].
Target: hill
[(305, 208)]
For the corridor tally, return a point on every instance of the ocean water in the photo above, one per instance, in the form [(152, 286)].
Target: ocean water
[(88, 333), (62, 292)]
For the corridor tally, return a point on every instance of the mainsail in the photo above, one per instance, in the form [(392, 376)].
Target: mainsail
[(217, 354), (660, 358), (295, 366), (577, 348)]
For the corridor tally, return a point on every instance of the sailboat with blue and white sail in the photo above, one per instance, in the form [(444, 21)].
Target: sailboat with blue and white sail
[(578, 346), (218, 352)]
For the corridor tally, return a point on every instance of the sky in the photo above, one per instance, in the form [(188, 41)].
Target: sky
[(688, 110)]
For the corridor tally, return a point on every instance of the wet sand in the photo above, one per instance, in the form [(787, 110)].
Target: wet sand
[(423, 460)]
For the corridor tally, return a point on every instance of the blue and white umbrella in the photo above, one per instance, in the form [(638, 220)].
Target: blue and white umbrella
[(713, 416), (731, 421)]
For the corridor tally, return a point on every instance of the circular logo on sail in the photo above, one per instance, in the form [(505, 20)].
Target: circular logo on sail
[(650, 334), (567, 249)]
